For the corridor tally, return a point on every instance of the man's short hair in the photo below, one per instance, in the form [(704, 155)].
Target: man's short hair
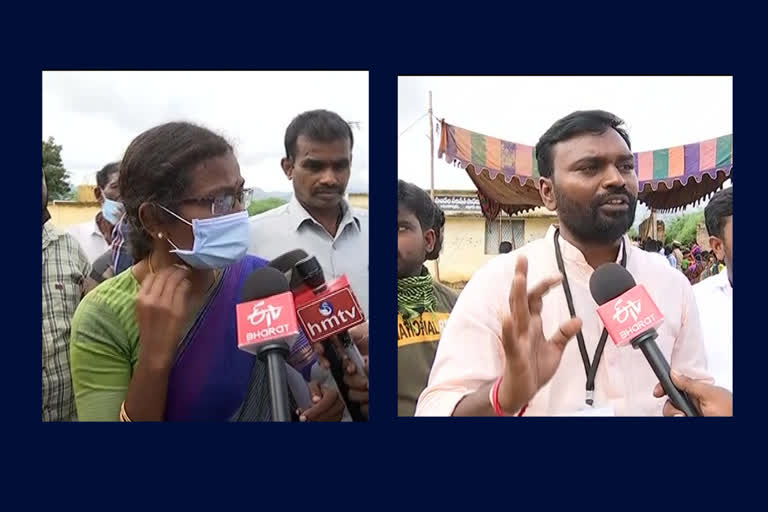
[(581, 122), (426, 211), (106, 172), (318, 125), (505, 247), (720, 207)]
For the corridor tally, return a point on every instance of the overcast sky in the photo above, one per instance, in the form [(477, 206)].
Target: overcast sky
[(660, 112), (95, 115)]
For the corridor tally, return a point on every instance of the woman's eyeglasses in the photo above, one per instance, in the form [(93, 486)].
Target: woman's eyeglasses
[(222, 204)]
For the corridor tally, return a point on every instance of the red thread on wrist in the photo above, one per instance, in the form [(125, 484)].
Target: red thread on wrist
[(497, 405)]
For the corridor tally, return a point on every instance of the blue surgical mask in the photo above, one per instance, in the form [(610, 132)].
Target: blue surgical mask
[(219, 241), (112, 210)]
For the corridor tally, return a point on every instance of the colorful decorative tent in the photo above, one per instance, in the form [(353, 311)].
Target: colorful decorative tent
[(506, 173)]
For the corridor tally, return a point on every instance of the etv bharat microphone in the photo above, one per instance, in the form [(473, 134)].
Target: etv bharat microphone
[(630, 316), (325, 309), (267, 327)]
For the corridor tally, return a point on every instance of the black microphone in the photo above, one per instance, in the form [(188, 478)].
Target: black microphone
[(267, 326), (285, 264), (311, 273), (630, 316), (305, 273)]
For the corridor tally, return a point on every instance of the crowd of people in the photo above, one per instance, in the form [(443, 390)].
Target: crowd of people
[(503, 346), (696, 264), (139, 304)]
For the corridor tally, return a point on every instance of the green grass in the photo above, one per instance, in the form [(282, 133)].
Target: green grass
[(683, 228), (263, 205)]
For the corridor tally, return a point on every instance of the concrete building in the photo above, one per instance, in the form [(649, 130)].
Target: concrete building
[(470, 240), (68, 213)]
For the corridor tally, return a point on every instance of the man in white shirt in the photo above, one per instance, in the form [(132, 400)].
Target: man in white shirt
[(317, 219), (318, 146), (95, 236), (714, 295), (506, 348)]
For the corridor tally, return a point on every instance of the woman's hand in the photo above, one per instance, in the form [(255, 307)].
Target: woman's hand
[(162, 308)]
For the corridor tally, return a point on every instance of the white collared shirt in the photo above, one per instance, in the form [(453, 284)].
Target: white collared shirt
[(714, 297), (290, 227), (89, 236)]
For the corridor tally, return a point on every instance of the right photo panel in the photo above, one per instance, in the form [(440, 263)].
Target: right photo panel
[(565, 246)]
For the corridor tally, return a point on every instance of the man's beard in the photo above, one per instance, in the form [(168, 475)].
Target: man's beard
[(407, 268), (589, 223)]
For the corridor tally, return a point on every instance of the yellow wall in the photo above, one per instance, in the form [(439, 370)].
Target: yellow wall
[(359, 200), (85, 193), (463, 249), (66, 214), (464, 245), (537, 227)]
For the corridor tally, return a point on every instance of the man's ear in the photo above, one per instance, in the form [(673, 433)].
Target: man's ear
[(430, 238), (718, 247), (287, 165), (98, 194), (547, 193)]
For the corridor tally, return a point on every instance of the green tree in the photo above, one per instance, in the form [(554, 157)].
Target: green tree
[(56, 176), (263, 205), (683, 228)]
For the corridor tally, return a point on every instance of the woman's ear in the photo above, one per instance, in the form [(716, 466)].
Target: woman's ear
[(149, 219)]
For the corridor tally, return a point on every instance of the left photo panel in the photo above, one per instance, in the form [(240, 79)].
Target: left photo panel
[(205, 246)]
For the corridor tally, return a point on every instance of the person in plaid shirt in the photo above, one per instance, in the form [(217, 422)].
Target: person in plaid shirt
[(65, 271)]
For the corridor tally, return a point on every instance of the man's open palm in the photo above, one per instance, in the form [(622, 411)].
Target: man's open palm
[(531, 359)]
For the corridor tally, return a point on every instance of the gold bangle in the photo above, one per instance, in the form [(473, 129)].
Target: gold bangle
[(123, 415)]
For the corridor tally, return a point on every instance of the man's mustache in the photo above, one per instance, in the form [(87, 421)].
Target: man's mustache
[(325, 190), (610, 196)]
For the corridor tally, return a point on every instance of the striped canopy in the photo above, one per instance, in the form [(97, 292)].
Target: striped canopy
[(506, 173)]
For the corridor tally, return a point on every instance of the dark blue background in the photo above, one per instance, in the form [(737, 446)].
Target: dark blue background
[(388, 462)]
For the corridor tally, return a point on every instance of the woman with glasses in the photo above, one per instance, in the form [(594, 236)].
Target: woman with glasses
[(159, 341)]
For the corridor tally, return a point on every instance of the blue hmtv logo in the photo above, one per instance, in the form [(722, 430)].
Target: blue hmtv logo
[(326, 309)]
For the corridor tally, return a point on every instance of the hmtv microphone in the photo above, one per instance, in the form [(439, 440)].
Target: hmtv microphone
[(340, 311), (325, 309), (302, 357), (267, 327), (630, 316)]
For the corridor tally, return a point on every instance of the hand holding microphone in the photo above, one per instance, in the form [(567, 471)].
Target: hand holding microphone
[(631, 317), (355, 381), (328, 405), (328, 313), (709, 399)]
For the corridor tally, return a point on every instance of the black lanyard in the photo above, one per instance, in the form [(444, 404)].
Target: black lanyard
[(589, 369)]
